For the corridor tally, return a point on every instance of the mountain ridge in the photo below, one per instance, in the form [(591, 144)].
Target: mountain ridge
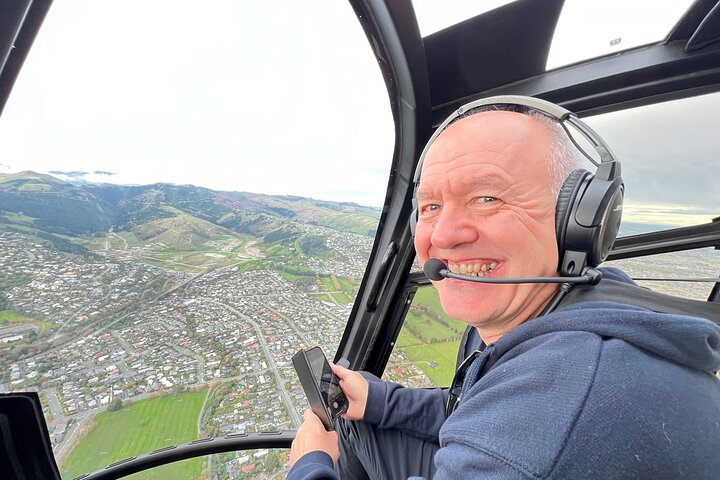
[(59, 209)]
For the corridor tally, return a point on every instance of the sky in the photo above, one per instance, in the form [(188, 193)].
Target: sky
[(285, 97)]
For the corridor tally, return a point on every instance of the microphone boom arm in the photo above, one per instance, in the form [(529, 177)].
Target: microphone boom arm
[(436, 270)]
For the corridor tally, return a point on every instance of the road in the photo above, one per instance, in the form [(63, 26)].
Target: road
[(271, 362), (191, 354), (58, 416)]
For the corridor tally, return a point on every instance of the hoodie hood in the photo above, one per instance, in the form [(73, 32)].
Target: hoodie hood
[(690, 341)]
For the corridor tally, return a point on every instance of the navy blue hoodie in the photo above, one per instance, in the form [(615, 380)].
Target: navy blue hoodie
[(593, 390)]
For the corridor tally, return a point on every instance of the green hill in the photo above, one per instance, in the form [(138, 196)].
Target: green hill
[(179, 217)]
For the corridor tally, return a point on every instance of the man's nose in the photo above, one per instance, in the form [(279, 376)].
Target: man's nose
[(452, 228)]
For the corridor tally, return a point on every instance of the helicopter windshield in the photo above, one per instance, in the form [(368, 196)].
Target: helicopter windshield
[(190, 195)]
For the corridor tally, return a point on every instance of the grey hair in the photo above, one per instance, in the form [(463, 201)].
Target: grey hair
[(564, 155)]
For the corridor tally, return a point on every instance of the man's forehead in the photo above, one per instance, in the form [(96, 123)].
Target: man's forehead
[(495, 137), (489, 130), (488, 150), (480, 181)]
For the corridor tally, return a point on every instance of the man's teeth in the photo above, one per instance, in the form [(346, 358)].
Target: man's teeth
[(474, 269)]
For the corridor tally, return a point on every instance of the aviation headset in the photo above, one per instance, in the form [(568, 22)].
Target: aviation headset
[(589, 207)]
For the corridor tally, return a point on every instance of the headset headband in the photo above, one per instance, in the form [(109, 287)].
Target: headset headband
[(551, 110)]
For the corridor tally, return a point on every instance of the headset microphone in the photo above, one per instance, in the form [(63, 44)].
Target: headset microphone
[(436, 270)]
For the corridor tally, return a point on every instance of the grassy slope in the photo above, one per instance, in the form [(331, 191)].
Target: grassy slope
[(350, 222), (428, 327), (443, 353), (140, 428)]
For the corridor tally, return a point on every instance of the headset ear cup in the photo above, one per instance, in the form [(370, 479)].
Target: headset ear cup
[(563, 208), (413, 222)]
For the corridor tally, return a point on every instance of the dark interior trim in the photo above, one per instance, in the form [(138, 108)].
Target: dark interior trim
[(19, 24), (634, 78), (462, 59), (665, 241), (707, 32)]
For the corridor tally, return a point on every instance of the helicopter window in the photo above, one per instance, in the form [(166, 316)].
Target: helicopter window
[(426, 349), (668, 153), (146, 298), (614, 26), (701, 263)]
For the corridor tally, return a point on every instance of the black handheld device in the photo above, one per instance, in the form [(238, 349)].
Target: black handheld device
[(321, 386)]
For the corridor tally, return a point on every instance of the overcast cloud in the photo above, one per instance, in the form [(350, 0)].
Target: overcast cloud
[(279, 98), (267, 97), (670, 152)]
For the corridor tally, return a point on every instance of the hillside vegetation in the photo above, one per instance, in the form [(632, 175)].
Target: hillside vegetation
[(177, 217)]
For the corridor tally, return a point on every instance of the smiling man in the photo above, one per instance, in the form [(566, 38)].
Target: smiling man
[(486, 205), (616, 382)]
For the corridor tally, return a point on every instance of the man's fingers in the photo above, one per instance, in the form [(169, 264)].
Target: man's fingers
[(311, 418), (341, 372)]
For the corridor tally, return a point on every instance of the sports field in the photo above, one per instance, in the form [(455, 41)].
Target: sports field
[(140, 428)]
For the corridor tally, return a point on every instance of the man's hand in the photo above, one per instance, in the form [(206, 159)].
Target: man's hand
[(312, 436), (355, 387)]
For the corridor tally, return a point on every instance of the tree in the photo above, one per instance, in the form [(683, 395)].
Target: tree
[(115, 405)]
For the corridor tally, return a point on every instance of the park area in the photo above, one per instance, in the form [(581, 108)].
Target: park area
[(139, 428), (430, 338)]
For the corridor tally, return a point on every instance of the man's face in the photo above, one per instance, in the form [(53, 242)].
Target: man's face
[(486, 207)]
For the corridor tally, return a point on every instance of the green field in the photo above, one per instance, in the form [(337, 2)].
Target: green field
[(195, 258), (429, 296), (430, 338), (139, 428), (13, 317), (347, 285), (172, 266), (350, 222), (8, 317), (342, 297), (289, 276), (443, 355), (430, 328), (343, 290), (18, 218), (327, 284), (406, 339)]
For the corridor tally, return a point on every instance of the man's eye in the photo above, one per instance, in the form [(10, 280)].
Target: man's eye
[(487, 199), (433, 207)]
